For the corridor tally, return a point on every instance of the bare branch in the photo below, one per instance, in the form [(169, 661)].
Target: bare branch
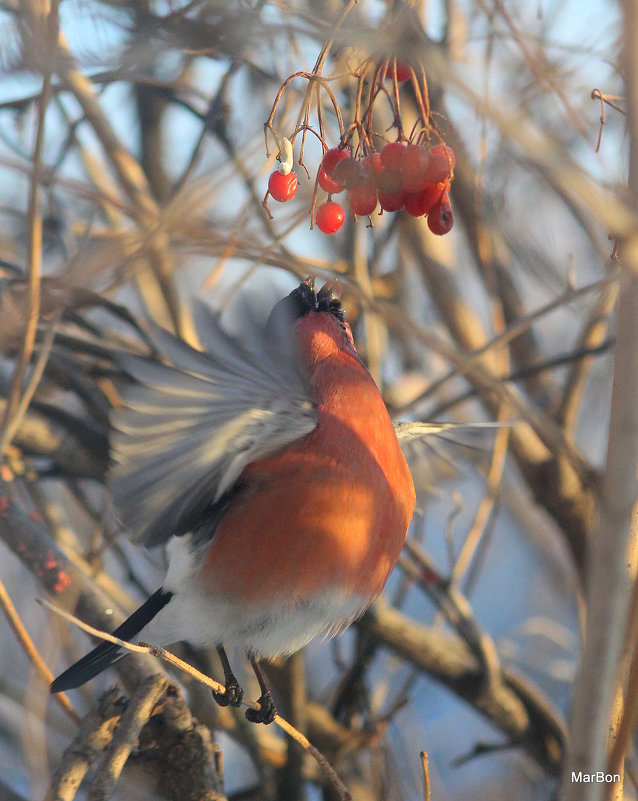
[(519, 710)]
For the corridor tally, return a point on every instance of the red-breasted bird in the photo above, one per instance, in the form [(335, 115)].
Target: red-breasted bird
[(272, 470)]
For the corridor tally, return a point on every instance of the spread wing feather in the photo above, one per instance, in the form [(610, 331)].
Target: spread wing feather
[(191, 424), (433, 450)]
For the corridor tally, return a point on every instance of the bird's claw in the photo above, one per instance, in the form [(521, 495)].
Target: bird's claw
[(234, 694), (267, 711)]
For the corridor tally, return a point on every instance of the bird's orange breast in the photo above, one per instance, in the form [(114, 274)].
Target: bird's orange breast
[(331, 511)]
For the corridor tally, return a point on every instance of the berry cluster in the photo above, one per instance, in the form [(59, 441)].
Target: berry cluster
[(414, 173), (412, 177)]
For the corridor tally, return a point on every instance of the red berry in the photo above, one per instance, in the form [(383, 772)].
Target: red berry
[(372, 168), (282, 187), (330, 217), (447, 153), (362, 199), (391, 201), (389, 182), (441, 164), (415, 204), (389, 178), (423, 201), (441, 219), (414, 168), (438, 169), (392, 156), (327, 183), (348, 173), (325, 175), (403, 71), (332, 157)]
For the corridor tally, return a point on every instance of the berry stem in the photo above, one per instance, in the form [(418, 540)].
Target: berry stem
[(323, 53)]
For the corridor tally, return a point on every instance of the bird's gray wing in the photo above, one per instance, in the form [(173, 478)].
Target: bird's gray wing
[(434, 450), (191, 423)]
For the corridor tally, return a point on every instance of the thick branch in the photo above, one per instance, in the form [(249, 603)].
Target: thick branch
[(612, 555)]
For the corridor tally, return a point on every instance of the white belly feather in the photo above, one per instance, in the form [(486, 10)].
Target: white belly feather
[(265, 629)]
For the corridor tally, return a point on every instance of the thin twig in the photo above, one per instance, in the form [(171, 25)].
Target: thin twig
[(27, 396), (31, 651), (426, 776), (486, 507), (43, 30), (512, 331)]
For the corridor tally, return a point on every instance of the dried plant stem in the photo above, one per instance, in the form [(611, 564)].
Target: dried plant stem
[(133, 182), (43, 28), (426, 777), (323, 54), (129, 172), (23, 404), (627, 724), (513, 331), (486, 507), (31, 651), (594, 333)]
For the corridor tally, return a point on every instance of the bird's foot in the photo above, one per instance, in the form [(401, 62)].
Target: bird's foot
[(233, 695), (267, 711)]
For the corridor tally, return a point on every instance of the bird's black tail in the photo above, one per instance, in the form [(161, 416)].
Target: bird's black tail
[(106, 653)]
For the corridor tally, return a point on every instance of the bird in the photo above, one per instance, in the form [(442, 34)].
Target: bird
[(268, 466)]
